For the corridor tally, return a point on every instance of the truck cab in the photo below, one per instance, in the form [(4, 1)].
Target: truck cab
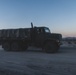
[(49, 42)]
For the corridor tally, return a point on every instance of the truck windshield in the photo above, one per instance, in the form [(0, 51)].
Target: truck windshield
[(47, 30)]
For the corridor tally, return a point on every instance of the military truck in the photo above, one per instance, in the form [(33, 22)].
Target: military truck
[(21, 38)]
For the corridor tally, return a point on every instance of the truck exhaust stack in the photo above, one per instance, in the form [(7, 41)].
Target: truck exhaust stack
[(31, 24)]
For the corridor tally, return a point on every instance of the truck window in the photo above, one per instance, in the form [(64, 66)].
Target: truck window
[(47, 30), (40, 30)]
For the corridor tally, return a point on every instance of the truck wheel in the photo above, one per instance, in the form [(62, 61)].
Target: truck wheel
[(6, 46), (14, 46), (25, 47), (51, 47)]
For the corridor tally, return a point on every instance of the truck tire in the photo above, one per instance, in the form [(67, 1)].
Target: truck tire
[(51, 47), (6, 46), (14, 46), (24, 47)]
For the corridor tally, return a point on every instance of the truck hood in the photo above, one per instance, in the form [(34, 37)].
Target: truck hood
[(55, 36)]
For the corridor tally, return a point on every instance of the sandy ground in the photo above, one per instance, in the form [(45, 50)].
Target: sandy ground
[(35, 62)]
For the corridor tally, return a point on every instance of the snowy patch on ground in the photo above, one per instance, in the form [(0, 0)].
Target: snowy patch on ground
[(66, 44)]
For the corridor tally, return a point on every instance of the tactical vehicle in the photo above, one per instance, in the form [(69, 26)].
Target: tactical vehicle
[(21, 38)]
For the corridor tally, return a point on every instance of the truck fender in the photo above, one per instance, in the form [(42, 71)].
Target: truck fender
[(50, 40)]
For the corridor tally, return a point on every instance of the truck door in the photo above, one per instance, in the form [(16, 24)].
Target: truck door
[(40, 36)]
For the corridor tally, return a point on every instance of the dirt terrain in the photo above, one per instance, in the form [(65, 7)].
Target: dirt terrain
[(35, 62)]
